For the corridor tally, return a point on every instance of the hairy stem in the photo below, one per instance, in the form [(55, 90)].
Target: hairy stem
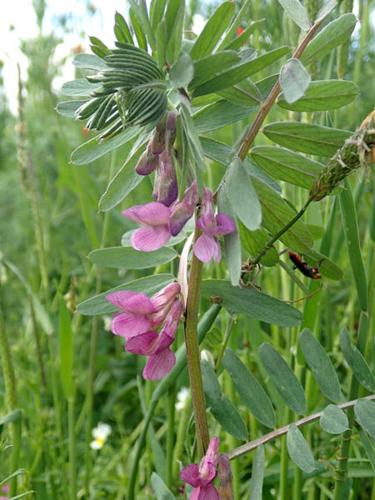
[(254, 128), (193, 356), (252, 445)]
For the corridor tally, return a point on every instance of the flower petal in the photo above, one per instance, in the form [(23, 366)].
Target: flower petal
[(225, 224), (150, 214), (207, 224), (162, 343), (217, 254), (208, 492), (147, 163), (166, 295), (163, 301), (158, 365), (208, 464), (132, 302), (148, 238), (129, 325), (190, 474), (142, 344), (171, 323), (206, 248)]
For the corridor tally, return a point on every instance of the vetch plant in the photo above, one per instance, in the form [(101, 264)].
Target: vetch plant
[(167, 98)]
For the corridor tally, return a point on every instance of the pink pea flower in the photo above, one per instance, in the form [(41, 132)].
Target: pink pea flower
[(139, 320), (212, 226), (202, 476), (139, 313), (154, 220), (158, 222), (135, 316), (156, 346)]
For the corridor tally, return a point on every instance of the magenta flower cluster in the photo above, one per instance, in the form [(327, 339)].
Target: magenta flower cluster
[(166, 216), (149, 326), (202, 476)]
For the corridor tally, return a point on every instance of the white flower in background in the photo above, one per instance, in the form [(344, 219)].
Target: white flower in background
[(182, 398), (100, 434), (107, 323), (207, 356)]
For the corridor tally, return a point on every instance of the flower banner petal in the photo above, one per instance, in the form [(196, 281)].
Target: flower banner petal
[(150, 214), (148, 239)]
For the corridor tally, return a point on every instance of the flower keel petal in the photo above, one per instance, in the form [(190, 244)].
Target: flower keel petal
[(206, 248), (158, 365)]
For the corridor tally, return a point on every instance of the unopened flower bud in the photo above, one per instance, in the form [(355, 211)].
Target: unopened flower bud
[(147, 163), (184, 210), (165, 187), (157, 143), (170, 133), (207, 466)]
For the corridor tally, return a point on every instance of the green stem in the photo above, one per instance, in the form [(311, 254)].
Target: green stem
[(253, 130), (283, 230), (170, 435), (343, 50), (90, 397), (363, 39), (341, 485), (265, 108), (351, 233), (28, 179), (181, 433), (10, 399), (39, 353), (228, 331), (193, 355), (72, 449)]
